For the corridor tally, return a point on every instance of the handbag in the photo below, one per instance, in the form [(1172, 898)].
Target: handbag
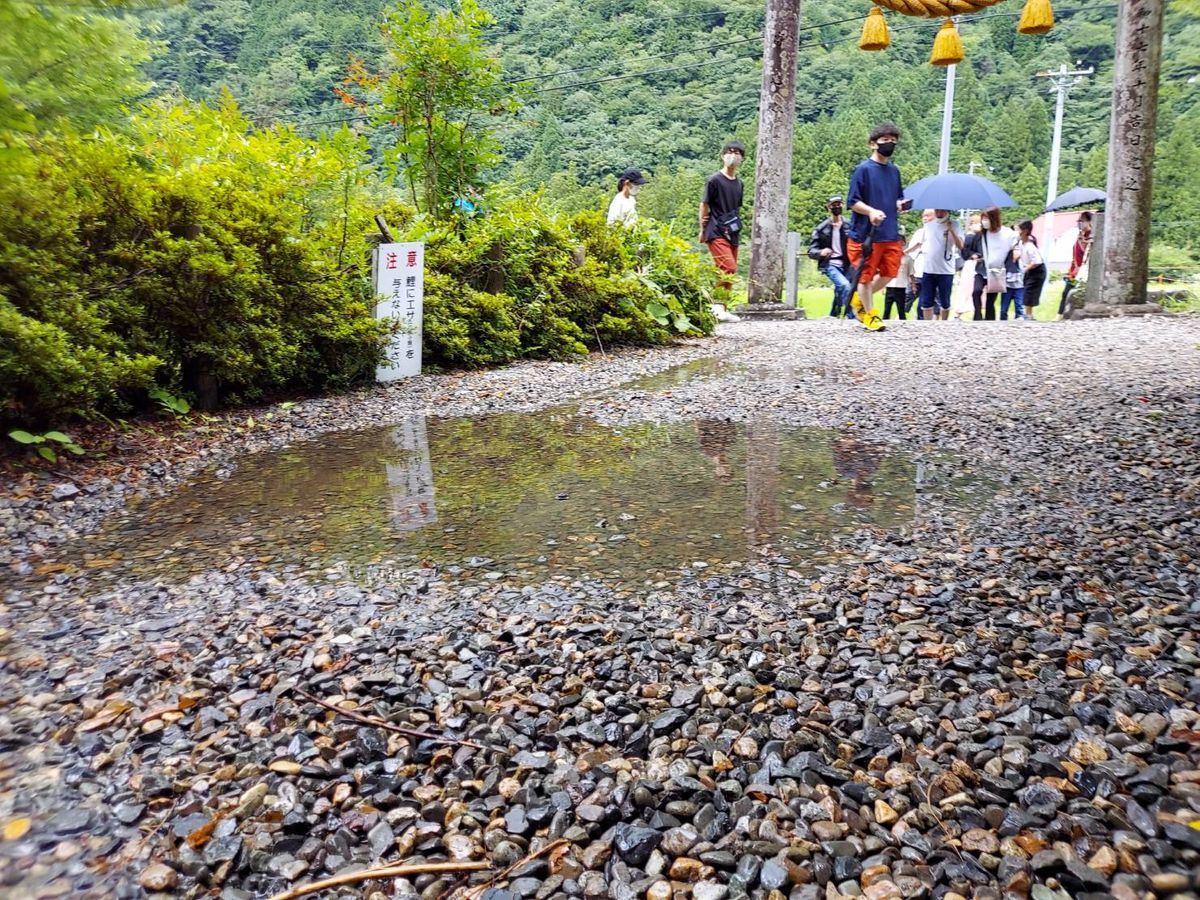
[(995, 277)]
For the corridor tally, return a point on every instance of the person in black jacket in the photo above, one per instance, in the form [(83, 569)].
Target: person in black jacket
[(828, 248)]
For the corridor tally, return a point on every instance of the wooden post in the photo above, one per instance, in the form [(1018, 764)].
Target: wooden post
[(1131, 154), (773, 160)]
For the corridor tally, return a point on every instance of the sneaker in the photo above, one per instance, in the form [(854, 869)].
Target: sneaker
[(724, 315), (872, 322)]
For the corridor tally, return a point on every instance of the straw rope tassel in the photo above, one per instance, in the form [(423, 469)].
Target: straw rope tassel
[(947, 46), (1036, 18), (875, 31)]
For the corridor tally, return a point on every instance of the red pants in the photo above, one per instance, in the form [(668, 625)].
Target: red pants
[(724, 254)]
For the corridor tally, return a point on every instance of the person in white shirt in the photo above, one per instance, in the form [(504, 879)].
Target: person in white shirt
[(1033, 265), (915, 251), (940, 238), (623, 209)]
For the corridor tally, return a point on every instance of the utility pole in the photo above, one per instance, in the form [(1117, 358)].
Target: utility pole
[(1131, 153), (947, 120), (1060, 83), (773, 160)]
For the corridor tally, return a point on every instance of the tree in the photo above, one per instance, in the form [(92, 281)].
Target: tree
[(67, 64), (441, 91)]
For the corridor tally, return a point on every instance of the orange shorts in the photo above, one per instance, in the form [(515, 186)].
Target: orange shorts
[(884, 259)]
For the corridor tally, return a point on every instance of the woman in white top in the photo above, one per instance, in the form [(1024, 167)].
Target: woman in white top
[(1033, 265), (623, 209), (995, 242)]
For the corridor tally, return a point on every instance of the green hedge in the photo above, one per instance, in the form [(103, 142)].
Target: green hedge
[(519, 281), (222, 263)]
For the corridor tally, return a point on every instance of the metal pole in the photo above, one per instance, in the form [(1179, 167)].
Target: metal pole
[(1060, 89), (947, 120)]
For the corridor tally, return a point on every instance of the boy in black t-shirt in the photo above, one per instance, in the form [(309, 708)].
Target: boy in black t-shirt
[(720, 216)]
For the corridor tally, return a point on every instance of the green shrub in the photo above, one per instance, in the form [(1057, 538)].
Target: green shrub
[(520, 281), (196, 256), (193, 253)]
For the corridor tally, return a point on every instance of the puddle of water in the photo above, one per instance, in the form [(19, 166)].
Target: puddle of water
[(682, 375), (539, 494)]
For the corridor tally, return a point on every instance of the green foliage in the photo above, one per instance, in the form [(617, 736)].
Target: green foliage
[(521, 281), (189, 252), (43, 444), (176, 406), (442, 89), (70, 63)]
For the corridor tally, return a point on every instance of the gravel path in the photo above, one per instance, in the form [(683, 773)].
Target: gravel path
[(971, 706)]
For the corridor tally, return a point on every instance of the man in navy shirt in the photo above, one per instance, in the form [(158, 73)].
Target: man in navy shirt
[(876, 198)]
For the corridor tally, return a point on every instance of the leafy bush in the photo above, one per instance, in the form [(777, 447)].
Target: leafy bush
[(190, 253), (192, 257), (520, 281)]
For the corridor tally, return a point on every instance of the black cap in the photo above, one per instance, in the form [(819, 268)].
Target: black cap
[(634, 176), (734, 146)]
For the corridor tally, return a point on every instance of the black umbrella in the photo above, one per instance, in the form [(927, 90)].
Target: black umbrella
[(1077, 196)]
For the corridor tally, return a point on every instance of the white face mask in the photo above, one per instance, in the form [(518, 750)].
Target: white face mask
[(941, 217), (633, 189), (731, 159)]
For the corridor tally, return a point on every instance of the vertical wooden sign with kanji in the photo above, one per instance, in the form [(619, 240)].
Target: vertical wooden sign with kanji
[(400, 290)]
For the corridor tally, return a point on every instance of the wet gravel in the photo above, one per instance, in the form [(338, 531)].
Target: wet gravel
[(999, 703)]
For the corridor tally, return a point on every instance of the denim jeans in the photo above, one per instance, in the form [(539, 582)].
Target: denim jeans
[(1013, 295), (841, 292), (936, 292)]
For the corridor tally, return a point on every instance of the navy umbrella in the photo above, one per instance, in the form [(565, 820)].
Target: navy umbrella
[(957, 190), (1077, 196)]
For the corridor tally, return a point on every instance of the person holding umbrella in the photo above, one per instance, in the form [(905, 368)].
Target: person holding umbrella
[(939, 239)]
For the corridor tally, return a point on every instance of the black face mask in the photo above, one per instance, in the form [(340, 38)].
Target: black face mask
[(885, 149), (835, 210)]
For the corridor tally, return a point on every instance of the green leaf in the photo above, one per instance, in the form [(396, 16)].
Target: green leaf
[(182, 406), (24, 437), (48, 454), (657, 310), (74, 448), (57, 436), (681, 322)]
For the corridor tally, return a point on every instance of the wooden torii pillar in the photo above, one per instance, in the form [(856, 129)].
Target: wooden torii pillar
[(1125, 231)]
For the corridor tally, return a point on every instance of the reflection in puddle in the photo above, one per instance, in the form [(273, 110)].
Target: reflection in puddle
[(682, 375), (543, 494)]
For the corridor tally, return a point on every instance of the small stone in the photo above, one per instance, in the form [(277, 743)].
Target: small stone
[(64, 491), (1104, 861), (884, 813), (687, 869), (746, 747), (977, 840), (660, 890), (1169, 882), (883, 890), (158, 877), (710, 890), (773, 875), (635, 843)]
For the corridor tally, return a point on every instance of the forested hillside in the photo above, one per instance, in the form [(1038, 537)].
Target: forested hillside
[(660, 85)]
